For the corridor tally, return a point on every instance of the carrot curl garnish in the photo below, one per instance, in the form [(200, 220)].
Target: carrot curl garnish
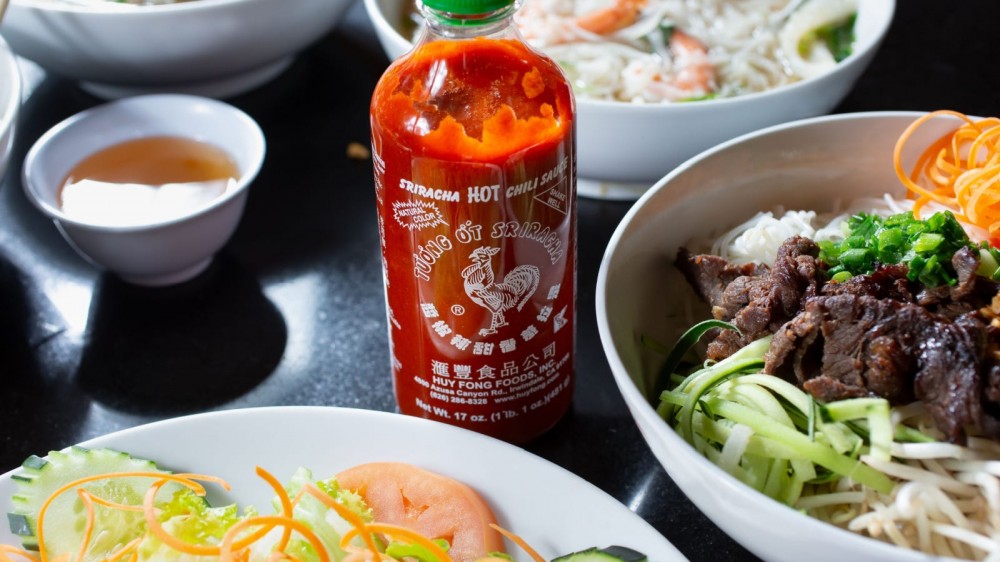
[(229, 543), (286, 505), (519, 542), (348, 515), (6, 552), (396, 532), (959, 171)]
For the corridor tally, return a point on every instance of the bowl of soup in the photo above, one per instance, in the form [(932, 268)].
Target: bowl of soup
[(216, 48), (677, 77), (148, 187)]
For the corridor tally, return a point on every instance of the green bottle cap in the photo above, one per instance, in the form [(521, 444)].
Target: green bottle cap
[(467, 7)]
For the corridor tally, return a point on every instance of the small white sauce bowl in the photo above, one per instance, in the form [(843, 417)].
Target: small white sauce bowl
[(164, 252)]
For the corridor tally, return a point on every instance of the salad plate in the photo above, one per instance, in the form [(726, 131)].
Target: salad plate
[(554, 510)]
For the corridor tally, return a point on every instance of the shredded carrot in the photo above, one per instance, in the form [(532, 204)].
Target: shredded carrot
[(88, 531), (397, 532), (519, 542), (6, 550), (132, 547), (153, 524), (229, 544), (286, 504), (348, 515), (960, 170)]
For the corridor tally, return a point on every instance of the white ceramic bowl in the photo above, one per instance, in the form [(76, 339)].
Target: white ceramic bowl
[(801, 165), (623, 148), (164, 252), (216, 48), (10, 102)]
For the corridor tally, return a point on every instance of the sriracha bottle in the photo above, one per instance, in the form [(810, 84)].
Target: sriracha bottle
[(474, 148)]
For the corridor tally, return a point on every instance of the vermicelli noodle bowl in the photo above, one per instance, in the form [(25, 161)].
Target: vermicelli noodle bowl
[(688, 50), (887, 358)]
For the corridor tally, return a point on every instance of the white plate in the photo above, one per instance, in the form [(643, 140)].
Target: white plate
[(556, 511)]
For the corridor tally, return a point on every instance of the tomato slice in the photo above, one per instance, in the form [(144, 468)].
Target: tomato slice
[(435, 505)]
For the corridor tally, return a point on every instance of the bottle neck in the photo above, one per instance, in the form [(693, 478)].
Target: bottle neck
[(497, 23)]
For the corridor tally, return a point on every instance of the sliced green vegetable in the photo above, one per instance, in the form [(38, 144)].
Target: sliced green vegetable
[(924, 246), (750, 357), (773, 435), (839, 38), (683, 345), (416, 552), (608, 554), (65, 517)]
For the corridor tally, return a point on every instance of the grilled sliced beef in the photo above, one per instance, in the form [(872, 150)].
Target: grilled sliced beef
[(873, 335), (756, 299), (886, 282), (864, 346), (711, 276)]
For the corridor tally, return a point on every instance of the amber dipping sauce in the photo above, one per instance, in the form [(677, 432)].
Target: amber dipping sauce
[(147, 180)]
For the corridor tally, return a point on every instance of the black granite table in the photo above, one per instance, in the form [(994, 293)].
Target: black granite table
[(292, 310)]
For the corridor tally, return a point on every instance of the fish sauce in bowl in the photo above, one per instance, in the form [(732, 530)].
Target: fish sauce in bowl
[(474, 139), (146, 181)]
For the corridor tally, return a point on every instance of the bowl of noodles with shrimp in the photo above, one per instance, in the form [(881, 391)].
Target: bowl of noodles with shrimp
[(807, 335), (658, 81)]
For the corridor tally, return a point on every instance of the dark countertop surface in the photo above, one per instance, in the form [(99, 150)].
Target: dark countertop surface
[(292, 310)]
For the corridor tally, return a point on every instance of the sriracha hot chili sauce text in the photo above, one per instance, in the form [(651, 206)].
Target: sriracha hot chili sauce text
[(474, 142)]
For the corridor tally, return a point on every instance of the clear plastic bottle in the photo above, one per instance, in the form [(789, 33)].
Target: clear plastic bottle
[(474, 144)]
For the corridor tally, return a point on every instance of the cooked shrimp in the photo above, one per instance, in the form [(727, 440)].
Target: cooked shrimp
[(695, 73), (688, 73), (619, 15)]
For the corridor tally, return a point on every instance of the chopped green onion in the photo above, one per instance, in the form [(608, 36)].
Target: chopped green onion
[(925, 247)]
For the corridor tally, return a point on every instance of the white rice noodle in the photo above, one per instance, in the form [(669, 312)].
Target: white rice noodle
[(947, 501), (736, 445), (741, 41), (757, 240)]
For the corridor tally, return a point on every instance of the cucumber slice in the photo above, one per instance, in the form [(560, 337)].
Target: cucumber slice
[(66, 516), (609, 554)]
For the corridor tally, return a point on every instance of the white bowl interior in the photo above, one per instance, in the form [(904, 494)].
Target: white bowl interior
[(813, 164), (196, 118)]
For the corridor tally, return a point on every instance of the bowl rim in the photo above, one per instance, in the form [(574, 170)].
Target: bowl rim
[(110, 7), (381, 22), (242, 185), (639, 405), (8, 112)]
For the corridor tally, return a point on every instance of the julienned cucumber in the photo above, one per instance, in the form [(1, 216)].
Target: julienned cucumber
[(609, 554), (65, 518)]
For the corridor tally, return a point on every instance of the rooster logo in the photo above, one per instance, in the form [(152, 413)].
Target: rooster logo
[(517, 287)]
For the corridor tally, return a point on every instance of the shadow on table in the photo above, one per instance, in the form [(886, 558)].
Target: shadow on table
[(183, 348), (35, 395)]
